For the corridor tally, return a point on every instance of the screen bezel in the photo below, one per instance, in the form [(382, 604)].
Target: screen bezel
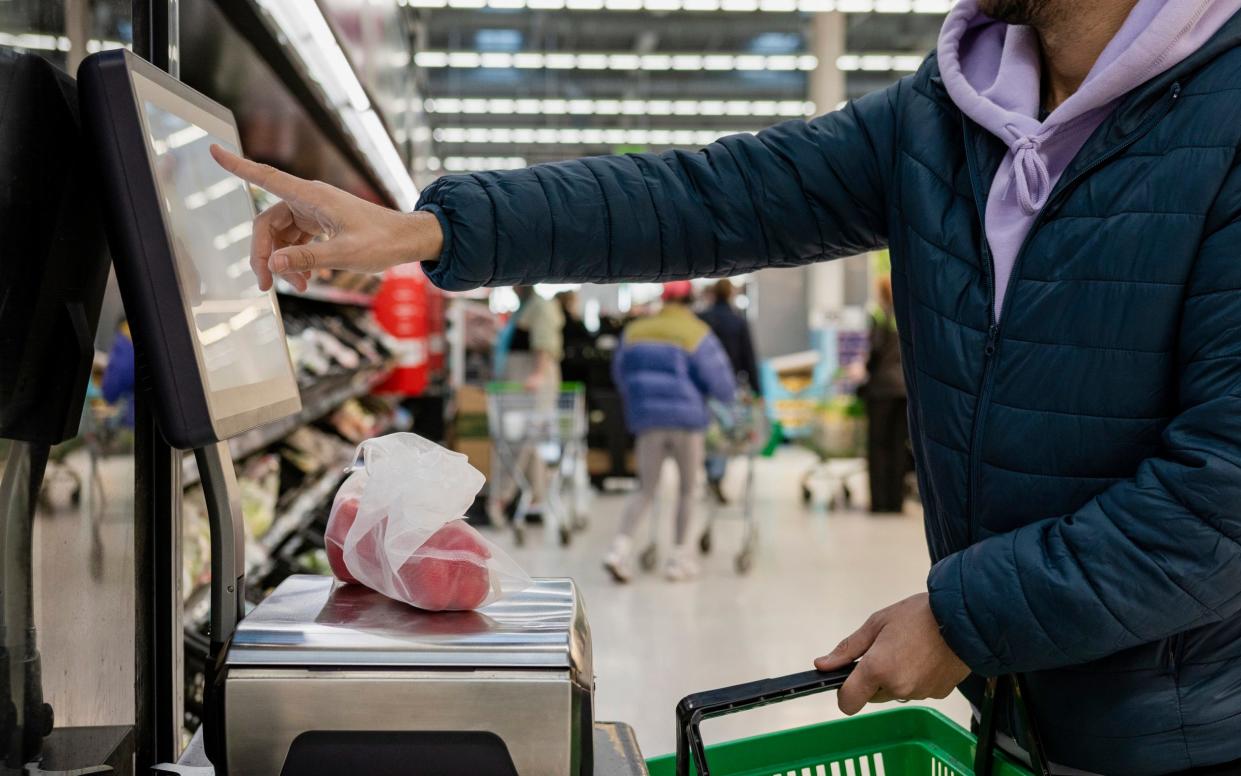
[(218, 122)]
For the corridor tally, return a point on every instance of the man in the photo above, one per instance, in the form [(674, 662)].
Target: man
[(733, 331), (666, 368), (1060, 187), (532, 349), (887, 429)]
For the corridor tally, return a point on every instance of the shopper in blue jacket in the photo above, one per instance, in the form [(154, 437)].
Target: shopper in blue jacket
[(668, 366), (1060, 188)]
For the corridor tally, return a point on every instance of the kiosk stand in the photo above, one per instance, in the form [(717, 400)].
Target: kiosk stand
[(52, 279)]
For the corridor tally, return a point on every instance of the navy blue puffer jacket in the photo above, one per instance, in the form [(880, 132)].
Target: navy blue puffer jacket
[(1080, 462)]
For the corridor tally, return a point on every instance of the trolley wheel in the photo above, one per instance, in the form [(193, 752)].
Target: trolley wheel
[(744, 562), (649, 557), (519, 536), (806, 495), (566, 535), (704, 543)]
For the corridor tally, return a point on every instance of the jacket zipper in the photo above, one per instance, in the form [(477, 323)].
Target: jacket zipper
[(992, 341)]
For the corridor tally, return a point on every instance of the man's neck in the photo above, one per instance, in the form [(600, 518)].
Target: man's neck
[(1072, 41)]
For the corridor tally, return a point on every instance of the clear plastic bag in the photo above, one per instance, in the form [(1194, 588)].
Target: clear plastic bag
[(396, 527)]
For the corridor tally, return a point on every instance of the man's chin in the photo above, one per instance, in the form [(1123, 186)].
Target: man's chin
[(1028, 12)]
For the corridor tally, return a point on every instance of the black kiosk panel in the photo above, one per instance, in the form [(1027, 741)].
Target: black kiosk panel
[(180, 229)]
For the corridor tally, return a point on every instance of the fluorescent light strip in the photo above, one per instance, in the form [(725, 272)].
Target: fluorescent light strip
[(503, 106), (302, 24), (597, 61), (474, 163), (879, 63), (548, 136), (932, 7), (36, 42)]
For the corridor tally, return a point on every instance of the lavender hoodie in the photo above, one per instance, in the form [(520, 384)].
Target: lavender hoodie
[(991, 71)]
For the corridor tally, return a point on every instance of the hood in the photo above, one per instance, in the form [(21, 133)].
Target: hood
[(992, 72)]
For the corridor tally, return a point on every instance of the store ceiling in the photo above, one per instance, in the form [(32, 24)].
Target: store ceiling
[(503, 87)]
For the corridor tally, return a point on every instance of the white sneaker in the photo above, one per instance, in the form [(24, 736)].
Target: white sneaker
[(681, 566), (619, 560)]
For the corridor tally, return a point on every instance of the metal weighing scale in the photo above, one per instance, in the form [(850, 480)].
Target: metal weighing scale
[(320, 678)]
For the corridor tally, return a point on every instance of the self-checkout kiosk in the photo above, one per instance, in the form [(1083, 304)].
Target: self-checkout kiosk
[(320, 678), (53, 272)]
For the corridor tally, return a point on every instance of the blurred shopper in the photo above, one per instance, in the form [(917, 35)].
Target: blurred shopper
[(666, 368), (117, 385), (1060, 188), (532, 348), (887, 431), (575, 330), (733, 331), (537, 342)]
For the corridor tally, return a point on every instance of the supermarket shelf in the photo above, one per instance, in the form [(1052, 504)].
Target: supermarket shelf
[(325, 293), (259, 552), (317, 401)]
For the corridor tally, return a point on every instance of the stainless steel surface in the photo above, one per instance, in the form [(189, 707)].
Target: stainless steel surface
[(531, 711), (228, 538), (616, 753), (319, 655), (313, 621)]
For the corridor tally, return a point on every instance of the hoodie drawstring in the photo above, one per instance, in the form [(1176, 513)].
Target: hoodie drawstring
[(1030, 174)]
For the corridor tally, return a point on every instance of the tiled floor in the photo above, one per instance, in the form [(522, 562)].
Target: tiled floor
[(84, 589), (817, 575)]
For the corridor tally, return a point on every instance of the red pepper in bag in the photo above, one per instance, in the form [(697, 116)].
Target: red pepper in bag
[(395, 527), (449, 571)]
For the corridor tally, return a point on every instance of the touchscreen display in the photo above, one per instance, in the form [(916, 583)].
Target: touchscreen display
[(209, 215)]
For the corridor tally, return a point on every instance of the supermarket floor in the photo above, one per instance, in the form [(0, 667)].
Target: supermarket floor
[(817, 575)]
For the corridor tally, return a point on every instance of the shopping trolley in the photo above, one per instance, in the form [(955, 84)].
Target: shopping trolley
[(894, 742), (805, 408), (736, 430), (544, 429)]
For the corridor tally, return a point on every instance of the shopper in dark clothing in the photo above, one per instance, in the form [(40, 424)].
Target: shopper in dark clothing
[(733, 331), (1069, 298), (887, 431)]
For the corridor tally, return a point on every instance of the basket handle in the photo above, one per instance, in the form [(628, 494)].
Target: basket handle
[(693, 709), (999, 690)]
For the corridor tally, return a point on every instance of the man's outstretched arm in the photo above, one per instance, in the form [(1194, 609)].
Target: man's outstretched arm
[(798, 192)]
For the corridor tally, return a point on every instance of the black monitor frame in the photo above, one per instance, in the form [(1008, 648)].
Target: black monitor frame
[(143, 252)]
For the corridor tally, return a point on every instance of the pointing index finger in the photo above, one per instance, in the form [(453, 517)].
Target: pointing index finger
[(264, 176)]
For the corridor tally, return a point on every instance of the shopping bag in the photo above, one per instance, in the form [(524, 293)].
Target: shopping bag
[(396, 527)]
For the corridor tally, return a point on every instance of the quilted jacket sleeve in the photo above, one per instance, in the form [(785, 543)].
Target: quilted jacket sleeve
[(711, 370), (1149, 557), (798, 192)]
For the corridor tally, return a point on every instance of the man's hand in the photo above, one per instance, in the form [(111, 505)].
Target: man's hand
[(902, 657), (356, 235)]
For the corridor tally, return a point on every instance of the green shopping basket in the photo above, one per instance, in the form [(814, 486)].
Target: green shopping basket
[(906, 741)]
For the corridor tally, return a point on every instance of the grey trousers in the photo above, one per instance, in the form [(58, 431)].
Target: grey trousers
[(686, 448)]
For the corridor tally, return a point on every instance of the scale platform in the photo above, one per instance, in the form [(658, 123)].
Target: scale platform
[(321, 670)]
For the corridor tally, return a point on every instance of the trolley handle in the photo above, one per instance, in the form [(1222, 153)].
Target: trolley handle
[(693, 709)]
